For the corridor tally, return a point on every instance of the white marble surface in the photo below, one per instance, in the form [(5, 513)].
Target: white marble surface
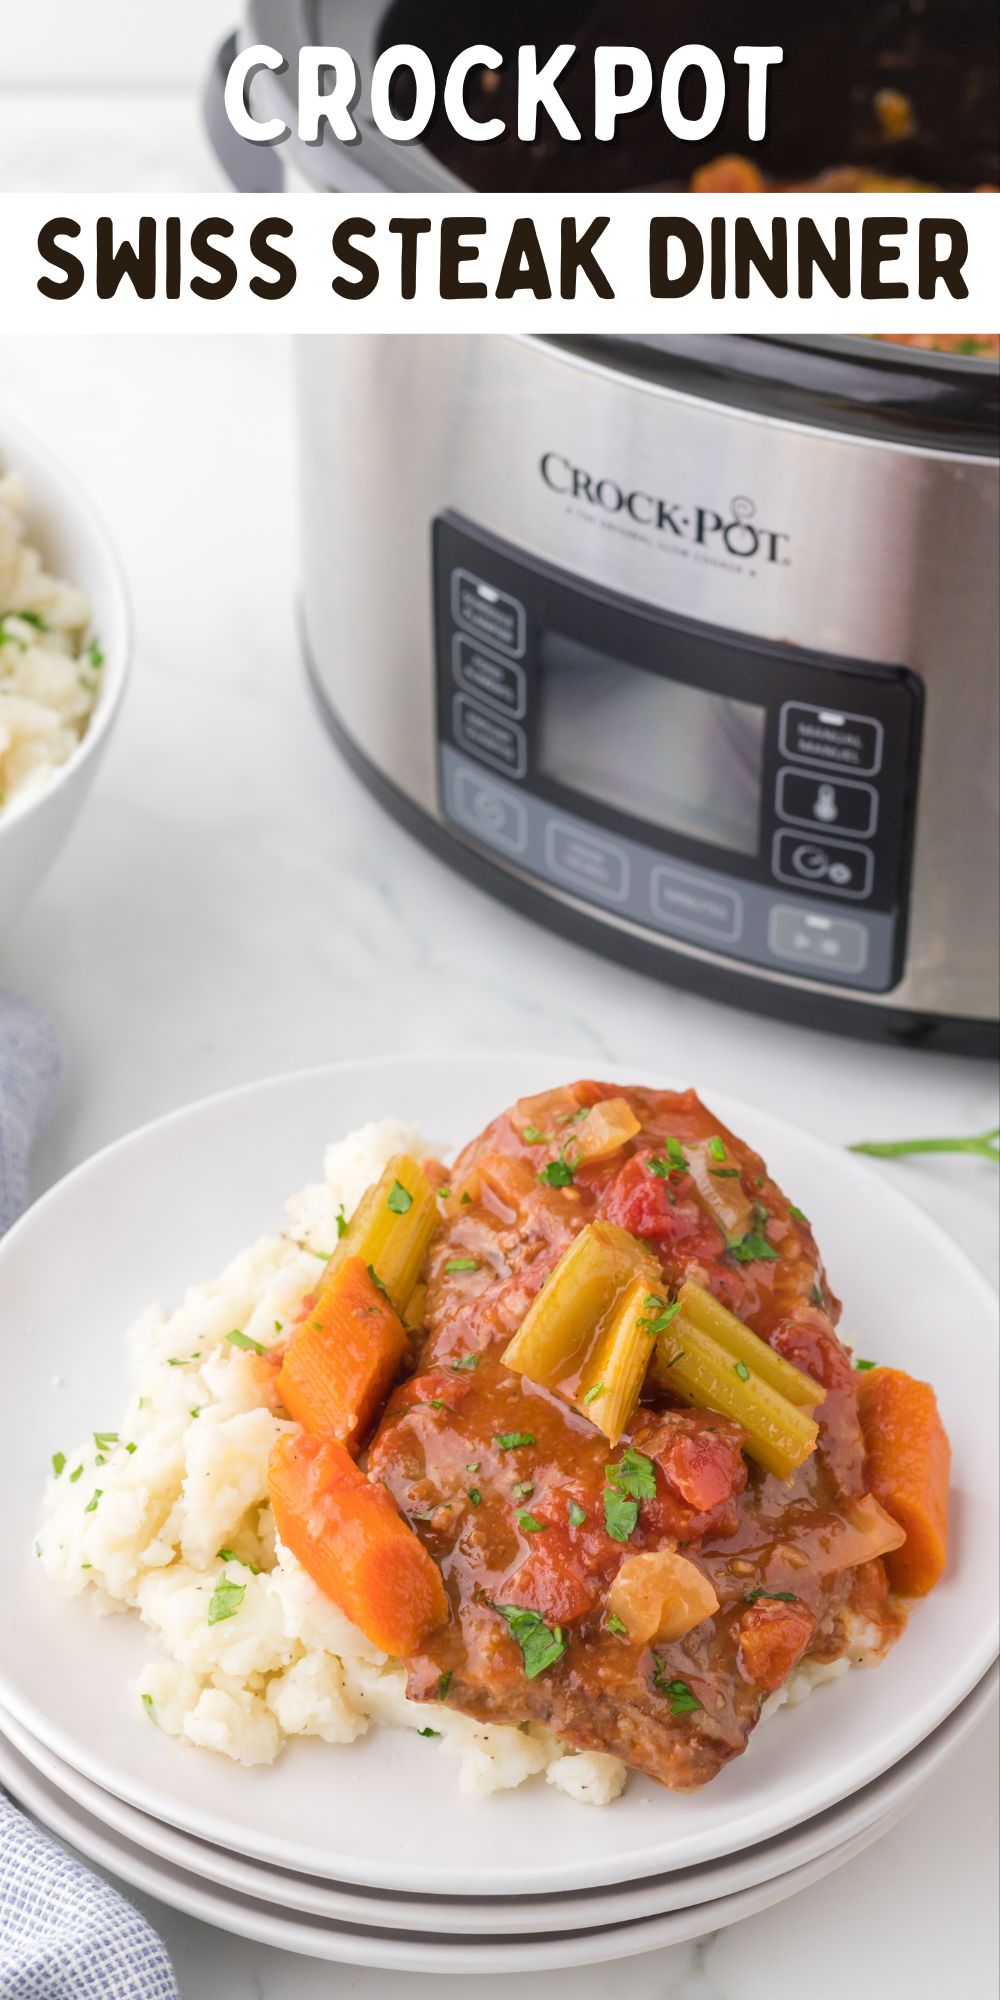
[(233, 904)]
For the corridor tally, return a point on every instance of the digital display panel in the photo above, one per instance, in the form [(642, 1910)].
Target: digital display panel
[(673, 756)]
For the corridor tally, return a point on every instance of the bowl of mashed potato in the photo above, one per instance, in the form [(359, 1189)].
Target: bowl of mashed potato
[(64, 652)]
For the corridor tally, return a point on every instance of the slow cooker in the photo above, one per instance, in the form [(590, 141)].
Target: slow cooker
[(687, 648)]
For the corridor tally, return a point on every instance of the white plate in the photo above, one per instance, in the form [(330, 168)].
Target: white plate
[(169, 1205), (401, 1951), (879, 1805)]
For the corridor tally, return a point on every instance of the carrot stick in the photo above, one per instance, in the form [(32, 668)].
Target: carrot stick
[(344, 1356), (908, 1463), (346, 1532)]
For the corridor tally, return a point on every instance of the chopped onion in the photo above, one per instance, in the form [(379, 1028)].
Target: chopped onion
[(606, 1127), (724, 1198), (660, 1595)]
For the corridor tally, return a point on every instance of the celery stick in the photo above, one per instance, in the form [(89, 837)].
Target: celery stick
[(705, 1312), (391, 1229), (695, 1369)]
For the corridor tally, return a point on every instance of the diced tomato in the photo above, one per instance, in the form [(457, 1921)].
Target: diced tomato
[(772, 1637), (808, 1341), (659, 1210), (701, 1461), (705, 1470), (551, 1581), (443, 1389)]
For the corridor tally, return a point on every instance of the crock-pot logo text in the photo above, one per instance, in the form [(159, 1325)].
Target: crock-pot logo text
[(735, 530)]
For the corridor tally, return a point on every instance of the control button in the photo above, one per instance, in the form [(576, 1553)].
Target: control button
[(502, 683), (686, 902), (488, 612), (827, 865), (497, 817), (829, 736), (501, 744), (587, 862), (837, 803), (837, 944)]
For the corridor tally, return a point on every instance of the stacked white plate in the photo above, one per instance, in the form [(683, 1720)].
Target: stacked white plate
[(369, 1854)]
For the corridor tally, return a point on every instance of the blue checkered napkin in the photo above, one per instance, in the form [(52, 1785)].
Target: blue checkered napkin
[(30, 1063), (64, 1934)]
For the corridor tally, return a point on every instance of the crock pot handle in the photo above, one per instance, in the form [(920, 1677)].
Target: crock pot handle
[(251, 169)]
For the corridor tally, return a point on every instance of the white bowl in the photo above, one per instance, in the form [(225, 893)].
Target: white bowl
[(62, 523)]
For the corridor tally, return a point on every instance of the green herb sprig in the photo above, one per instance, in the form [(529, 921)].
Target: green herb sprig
[(983, 1146)]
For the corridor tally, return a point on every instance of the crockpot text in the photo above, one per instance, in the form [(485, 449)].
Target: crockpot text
[(736, 531)]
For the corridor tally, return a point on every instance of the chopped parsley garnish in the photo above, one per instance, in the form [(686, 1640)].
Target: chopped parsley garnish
[(243, 1340), (679, 1694), (631, 1480), (753, 1248), (592, 1394), (634, 1474), (444, 1683), (675, 1161), (724, 1173), (466, 1361), (473, 1465), (740, 1368), (461, 1264), (341, 1222), (91, 1507), (58, 1463), (558, 1173), (226, 1600), (230, 1556), (148, 1705), (541, 1645), (531, 1136), (474, 1496), (377, 1282), (613, 1623), (444, 1194), (716, 1149), (798, 1214), (862, 1367), (772, 1596), (75, 1474), (621, 1516), (577, 1514), (103, 1440), (512, 1440), (523, 1490), (428, 1732), (398, 1199), (529, 1524), (817, 1296), (466, 1201), (661, 1313)]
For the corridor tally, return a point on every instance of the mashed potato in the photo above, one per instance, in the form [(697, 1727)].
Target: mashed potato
[(167, 1515), (49, 673)]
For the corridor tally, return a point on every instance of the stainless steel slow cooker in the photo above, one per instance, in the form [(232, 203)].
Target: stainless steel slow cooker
[(686, 647)]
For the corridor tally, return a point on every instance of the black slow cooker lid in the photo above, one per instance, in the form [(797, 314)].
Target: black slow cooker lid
[(904, 395), (938, 55)]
